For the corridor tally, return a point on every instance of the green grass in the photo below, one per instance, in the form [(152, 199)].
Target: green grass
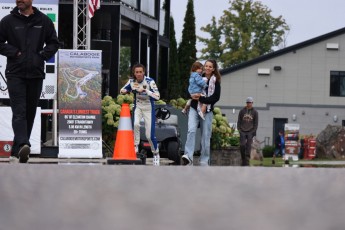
[(267, 162)]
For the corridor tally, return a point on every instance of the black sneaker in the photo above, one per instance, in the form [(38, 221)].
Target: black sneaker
[(24, 153), (186, 160)]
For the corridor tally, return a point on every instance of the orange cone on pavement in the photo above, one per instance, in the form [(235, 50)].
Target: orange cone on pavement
[(124, 151)]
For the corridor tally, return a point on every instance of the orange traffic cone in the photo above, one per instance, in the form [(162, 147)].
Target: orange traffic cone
[(124, 151)]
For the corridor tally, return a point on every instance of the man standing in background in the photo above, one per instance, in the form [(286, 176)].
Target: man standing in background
[(247, 124)]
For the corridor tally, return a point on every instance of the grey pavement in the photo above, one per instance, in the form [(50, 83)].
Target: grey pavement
[(96, 196)]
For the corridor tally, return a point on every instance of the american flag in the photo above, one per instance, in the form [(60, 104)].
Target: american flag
[(93, 6)]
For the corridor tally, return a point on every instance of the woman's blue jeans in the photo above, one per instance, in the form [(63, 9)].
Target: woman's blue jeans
[(206, 132)]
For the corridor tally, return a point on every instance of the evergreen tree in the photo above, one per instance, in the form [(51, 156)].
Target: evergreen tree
[(166, 18), (174, 88), (187, 47), (124, 65), (246, 30)]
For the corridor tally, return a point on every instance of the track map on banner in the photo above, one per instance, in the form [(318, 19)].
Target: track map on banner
[(79, 96), (51, 9)]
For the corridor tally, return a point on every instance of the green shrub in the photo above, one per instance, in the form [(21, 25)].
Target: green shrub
[(111, 108), (235, 141), (268, 151)]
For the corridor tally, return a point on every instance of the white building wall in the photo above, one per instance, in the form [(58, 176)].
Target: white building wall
[(302, 84)]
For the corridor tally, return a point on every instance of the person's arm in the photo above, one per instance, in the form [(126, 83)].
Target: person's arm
[(6, 49), (126, 88), (239, 121), (277, 141), (256, 121), (213, 98), (153, 91), (51, 41), (200, 82)]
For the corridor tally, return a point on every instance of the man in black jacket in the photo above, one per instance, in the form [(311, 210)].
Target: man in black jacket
[(247, 124), (27, 38)]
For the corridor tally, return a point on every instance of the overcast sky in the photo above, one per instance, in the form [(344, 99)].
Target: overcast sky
[(307, 18)]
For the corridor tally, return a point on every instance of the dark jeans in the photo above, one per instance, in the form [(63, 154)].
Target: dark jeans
[(246, 140), (24, 96)]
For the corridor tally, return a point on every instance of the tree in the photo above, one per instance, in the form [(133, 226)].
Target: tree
[(187, 47), (166, 18), (125, 65), (174, 89), (213, 49), (246, 30)]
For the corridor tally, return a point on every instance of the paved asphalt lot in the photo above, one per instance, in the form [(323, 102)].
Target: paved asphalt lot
[(94, 196)]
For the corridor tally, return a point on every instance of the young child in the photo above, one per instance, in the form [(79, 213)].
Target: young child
[(197, 85), (279, 146)]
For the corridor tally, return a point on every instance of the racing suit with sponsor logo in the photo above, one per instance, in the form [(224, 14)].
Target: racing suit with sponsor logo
[(144, 107)]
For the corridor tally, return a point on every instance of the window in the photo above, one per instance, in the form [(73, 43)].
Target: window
[(131, 3), (148, 7), (337, 86)]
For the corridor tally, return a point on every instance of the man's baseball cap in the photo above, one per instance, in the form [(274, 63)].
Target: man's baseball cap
[(249, 99)]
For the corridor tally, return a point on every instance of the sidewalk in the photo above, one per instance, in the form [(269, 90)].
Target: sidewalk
[(38, 160), (126, 197), (85, 161)]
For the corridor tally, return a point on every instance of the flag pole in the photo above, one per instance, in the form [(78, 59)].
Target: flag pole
[(88, 33)]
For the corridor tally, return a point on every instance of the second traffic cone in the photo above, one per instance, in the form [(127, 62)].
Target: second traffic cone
[(124, 151)]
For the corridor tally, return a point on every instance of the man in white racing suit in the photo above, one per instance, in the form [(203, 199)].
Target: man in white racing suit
[(145, 94)]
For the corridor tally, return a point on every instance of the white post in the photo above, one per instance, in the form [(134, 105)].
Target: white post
[(88, 33), (55, 121), (75, 24)]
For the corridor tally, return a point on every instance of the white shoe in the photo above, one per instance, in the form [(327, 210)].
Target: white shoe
[(204, 164), (186, 160), (13, 159), (156, 159), (201, 114)]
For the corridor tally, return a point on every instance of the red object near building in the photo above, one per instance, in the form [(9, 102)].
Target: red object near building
[(310, 150), (5, 148), (306, 145)]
